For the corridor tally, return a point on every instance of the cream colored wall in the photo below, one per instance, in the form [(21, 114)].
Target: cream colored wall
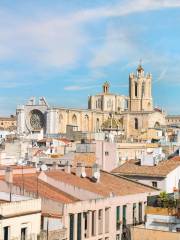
[(129, 151), (142, 233), (26, 214), (31, 222), (145, 120), (81, 115), (106, 203)]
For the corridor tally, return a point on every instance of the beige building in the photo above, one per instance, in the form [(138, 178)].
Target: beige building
[(83, 203), (8, 123), (20, 219), (135, 113)]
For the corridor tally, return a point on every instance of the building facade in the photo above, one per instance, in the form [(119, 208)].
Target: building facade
[(135, 112)]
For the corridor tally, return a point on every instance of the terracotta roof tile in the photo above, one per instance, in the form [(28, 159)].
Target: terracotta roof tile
[(133, 167), (107, 185), (29, 181)]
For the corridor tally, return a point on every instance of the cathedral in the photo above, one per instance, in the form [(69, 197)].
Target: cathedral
[(134, 113)]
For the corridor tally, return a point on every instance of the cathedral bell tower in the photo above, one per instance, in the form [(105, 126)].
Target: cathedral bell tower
[(140, 97)]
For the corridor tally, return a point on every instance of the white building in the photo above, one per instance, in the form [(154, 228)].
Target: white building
[(164, 176)]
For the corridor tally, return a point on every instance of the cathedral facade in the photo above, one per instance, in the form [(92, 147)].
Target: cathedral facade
[(135, 112)]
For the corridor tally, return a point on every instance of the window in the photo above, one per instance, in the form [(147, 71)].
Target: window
[(79, 226), (106, 153), (118, 237), (99, 103), (136, 123), (23, 233), (71, 230), (97, 124), (6, 233), (140, 212), (74, 120), (124, 215), (154, 184), (134, 214), (100, 214), (93, 223), (118, 218), (107, 220), (136, 89), (143, 89)]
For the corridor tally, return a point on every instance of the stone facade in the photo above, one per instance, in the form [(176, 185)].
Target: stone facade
[(135, 112)]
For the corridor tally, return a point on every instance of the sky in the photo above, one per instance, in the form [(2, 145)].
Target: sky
[(65, 49)]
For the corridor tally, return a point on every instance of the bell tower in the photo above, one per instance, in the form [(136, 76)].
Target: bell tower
[(106, 87), (140, 96)]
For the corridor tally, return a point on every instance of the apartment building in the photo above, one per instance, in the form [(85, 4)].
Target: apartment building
[(82, 203), (164, 175), (20, 219)]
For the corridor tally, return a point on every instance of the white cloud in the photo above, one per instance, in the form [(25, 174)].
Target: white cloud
[(124, 8), (78, 87), (60, 40)]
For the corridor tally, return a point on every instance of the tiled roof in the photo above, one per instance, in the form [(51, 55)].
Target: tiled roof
[(107, 185), (133, 168), (30, 184)]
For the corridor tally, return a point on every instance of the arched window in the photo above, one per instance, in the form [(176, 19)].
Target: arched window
[(96, 104), (60, 118), (157, 125), (136, 123), (97, 125), (74, 120), (143, 89), (99, 103), (136, 89), (86, 123)]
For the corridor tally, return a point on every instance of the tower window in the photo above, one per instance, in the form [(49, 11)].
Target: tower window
[(136, 123), (143, 89), (136, 89)]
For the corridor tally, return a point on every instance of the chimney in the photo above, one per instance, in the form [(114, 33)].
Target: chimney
[(80, 170), (67, 167), (96, 172)]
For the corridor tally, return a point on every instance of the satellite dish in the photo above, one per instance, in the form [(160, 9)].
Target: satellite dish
[(83, 174), (44, 167)]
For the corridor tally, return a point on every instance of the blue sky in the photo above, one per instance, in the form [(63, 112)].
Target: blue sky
[(65, 49)]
